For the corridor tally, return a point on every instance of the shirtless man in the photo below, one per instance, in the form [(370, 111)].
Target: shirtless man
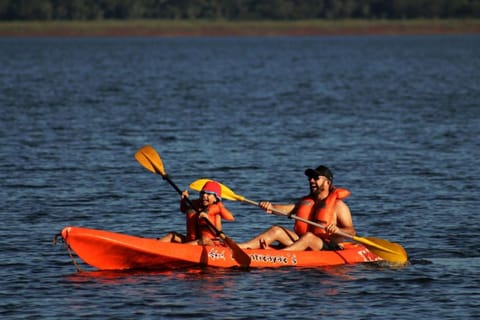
[(324, 205)]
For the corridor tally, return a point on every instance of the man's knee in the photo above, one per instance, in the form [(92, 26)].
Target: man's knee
[(277, 229), (309, 236), (314, 242)]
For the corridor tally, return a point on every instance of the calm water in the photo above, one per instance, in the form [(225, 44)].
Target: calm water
[(396, 118)]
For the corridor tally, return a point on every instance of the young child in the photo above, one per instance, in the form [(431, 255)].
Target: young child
[(208, 206)]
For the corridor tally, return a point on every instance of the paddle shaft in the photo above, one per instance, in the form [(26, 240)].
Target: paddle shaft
[(293, 216), (366, 241), (387, 250), (233, 196)]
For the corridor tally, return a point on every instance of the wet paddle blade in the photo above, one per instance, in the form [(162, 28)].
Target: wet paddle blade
[(388, 251), (150, 160), (238, 254)]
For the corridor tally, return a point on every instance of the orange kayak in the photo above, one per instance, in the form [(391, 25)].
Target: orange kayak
[(106, 250)]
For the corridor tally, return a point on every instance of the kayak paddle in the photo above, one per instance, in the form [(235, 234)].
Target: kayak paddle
[(388, 251), (149, 159)]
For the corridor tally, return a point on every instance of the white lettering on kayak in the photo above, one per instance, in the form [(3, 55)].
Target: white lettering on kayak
[(274, 259), (215, 255), (368, 256)]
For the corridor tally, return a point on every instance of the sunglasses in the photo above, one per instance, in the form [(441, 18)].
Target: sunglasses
[(316, 177)]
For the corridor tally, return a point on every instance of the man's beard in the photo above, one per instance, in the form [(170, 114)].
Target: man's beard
[(317, 189)]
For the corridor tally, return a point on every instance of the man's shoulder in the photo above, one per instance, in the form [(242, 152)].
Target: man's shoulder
[(341, 206)]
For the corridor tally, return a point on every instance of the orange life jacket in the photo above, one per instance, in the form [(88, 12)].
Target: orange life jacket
[(198, 228), (322, 212)]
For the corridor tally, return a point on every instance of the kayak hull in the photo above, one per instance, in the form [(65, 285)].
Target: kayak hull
[(106, 250)]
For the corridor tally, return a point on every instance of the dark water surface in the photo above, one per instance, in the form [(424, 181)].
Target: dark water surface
[(397, 118)]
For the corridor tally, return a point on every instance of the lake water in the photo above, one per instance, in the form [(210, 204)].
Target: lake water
[(397, 118)]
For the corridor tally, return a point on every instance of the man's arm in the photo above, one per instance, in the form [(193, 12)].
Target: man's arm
[(344, 218)]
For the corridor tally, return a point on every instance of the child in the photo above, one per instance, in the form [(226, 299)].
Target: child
[(208, 206)]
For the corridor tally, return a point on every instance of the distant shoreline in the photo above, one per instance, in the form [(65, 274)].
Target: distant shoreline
[(173, 28)]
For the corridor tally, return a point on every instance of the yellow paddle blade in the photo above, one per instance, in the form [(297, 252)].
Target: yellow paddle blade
[(227, 193), (150, 160), (197, 185), (388, 251)]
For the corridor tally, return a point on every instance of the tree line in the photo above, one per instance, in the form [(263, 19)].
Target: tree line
[(237, 9)]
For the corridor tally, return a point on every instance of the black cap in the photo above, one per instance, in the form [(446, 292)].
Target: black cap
[(319, 171)]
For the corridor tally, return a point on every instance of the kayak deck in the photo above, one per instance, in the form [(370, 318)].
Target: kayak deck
[(106, 250)]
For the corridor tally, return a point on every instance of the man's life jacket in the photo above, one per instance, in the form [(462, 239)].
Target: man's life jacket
[(321, 212)]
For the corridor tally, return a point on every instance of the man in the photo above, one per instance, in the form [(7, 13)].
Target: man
[(324, 205)]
